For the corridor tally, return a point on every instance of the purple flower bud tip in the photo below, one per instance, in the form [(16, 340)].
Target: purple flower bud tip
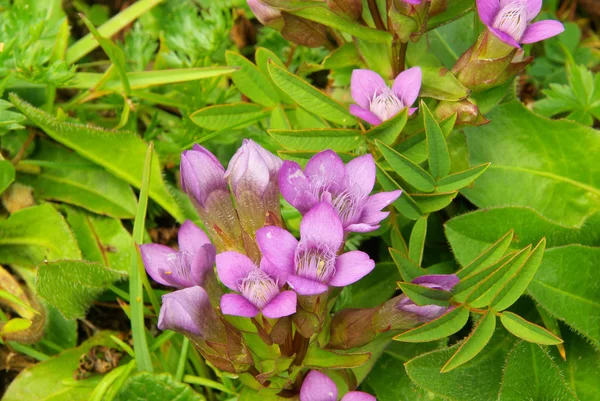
[(444, 282), (311, 264), (264, 12), (318, 387), (184, 268), (187, 311), (346, 187), (510, 21), (376, 102), (259, 288), (201, 174)]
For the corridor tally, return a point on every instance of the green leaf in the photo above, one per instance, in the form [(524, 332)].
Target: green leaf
[(582, 367), (528, 331), (437, 149), (474, 343), (405, 203), (251, 81), (371, 291), (262, 58), (456, 181), (416, 245), (309, 97), (410, 172), (7, 174), (565, 287), (388, 131), (35, 234), (424, 295), (554, 159), (339, 140), (224, 116), (121, 153), (439, 83), (487, 257), (429, 203), (441, 327), (324, 359), (407, 268), (146, 386), (72, 285), (453, 10), (530, 374)]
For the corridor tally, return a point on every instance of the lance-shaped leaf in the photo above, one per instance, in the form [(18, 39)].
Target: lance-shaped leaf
[(405, 203), (487, 257), (456, 181), (7, 174), (474, 343), (389, 130), (437, 149), (416, 245), (262, 58), (422, 296), (225, 116), (414, 147), (324, 359), (409, 171), (551, 324), (407, 268), (528, 331), (430, 203), (339, 140), (441, 327), (309, 97), (251, 81), (517, 285)]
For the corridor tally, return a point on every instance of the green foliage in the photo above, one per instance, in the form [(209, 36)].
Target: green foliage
[(148, 386)]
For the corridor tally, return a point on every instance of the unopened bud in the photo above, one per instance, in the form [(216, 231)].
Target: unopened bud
[(466, 111)]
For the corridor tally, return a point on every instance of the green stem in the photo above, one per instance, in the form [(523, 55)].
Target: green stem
[(182, 359)]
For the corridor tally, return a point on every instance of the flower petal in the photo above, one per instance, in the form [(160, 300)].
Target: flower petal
[(237, 305), (232, 268), (363, 228), (351, 267), (411, 110), (445, 282), (542, 30), (318, 387), (155, 258), (295, 187), (326, 169), (279, 275), (372, 212), (283, 304), (203, 263), (407, 85), (187, 311), (322, 225), (361, 172), (533, 8), (506, 38), (201, 174), (364, 114), (364, 85), (488, 9), (306, 286), (248, 170), (358, 395), (191, 237), (427, 312), (278, 246)]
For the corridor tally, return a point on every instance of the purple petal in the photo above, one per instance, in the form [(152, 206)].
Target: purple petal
[(252, 168), (445, 282), (372, 212), (277, 274), (203, 263), (201, 174), (187, 311), (361, 172), (351, 267), (364, 228), (407, 85), (506, 38), (364, 114), (282, 305), (358, 395), (237, 305), (295, 187), (263, 12), (232, 268), (306, 286), (488, 9), (427, 312), (411, 110), (364, 86), (191, 237), (322, 225), (155, 258), (542, 30), (415, 2), (278, 246), (318, 387), (326, 169), (533, 8)]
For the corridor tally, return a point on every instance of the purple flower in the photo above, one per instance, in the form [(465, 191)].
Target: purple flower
[(312, 264), (444, 282), (510, 21), (260, 288), (345, 187), (187, 267), (318, 387), (188, 311), (201, 175), (376, 102), (264, 12)]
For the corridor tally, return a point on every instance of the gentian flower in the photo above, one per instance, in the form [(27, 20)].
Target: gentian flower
[(312, 264), (510, 21), (376, 102), (318, 387), (187, 267), (260, 288), (345, 187), (444, 282), (265, 13)]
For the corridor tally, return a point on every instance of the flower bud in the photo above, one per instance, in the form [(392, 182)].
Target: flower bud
[(266, 14), (408, 18), (467, 112)]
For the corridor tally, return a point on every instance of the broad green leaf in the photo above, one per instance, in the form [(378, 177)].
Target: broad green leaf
[(474, 343), (371, 291), (416, 245), (121, 153), (339, 140), (36, 234), (441, 327), (487, 257), (72, 285), (517, 285), (262, 58), (407, 268), (565, 287), (344, 56), (410, 172), (437, 149), (439, 83), (389, 130), (528, 331), (424, 295), (146, 386), (429, 203), (531, 374), (251, 81), (456, 181), (309, 97), (7, 175), (449, 41), (582, 367), (555, 159), (225, 116), (404, 204), (323, 359), (68, 177), (52, 380)]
